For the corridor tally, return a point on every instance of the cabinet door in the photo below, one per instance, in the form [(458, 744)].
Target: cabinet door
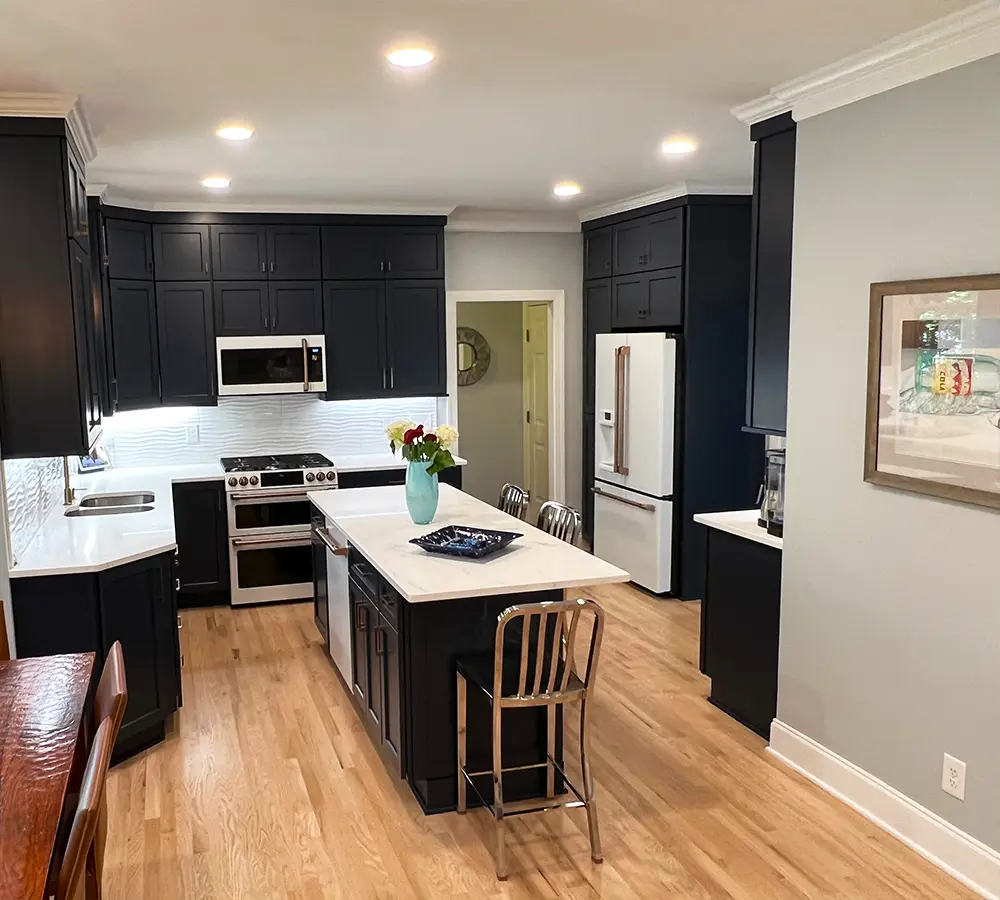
[(200, 526), (391, 745), (129, 249), (373, 657), (239, 252), (180, 252), (136, 378), (664, 299), (359, 645), (85, 311), (134, 608), (666, 240), (631, 248), (353, 251), (414, 251), (241, 307), (597, 253), (296, 307), (596, 320), (414, 337), (293, 251), (355, 357), (628, 301), (187, 342), (76, 197)]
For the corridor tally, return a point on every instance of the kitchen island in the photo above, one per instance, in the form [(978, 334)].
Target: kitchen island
[(412, 613)]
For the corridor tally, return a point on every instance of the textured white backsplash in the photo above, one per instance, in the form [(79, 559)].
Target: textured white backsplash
[(245, 425), (34, 489)]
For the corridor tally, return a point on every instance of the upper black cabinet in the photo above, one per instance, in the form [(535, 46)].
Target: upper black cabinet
[(293, 252), (414, 337), (597, 253), (239, 252), (596, 320), (355, 351), (135, 364), (129, 249), (375, 251), (77, 220), (651, 242), (275, 307), (648, 300), (296, 307), (770, 274), (181, 252), (186, 340), (241, 308)]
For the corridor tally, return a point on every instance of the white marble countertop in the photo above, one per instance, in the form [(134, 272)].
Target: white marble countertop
[(375, 521), (373, 462), (742, 523)]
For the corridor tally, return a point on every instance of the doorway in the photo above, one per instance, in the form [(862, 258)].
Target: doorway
[(535, 403)]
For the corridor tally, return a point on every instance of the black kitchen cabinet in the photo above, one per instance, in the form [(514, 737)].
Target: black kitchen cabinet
[(239, 252), (414, 251), (351, 251), (129, 249), (388, 652), (294, 252), (596, 320), (202, 560), (181, 252), (586, 493), (296, 307), (186, 342), (647, 300), (415, 338), (651, 242), (77, 222), (355, 354), (770, 274), (598, 253), (134, 603), (101, 300), (321, 586), (135, 383), (241, 308), (86, 313)]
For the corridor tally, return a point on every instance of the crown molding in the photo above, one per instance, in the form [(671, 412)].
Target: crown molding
[(471, 218), (957, 39), (671, 192), (54, 106), (96, 190)]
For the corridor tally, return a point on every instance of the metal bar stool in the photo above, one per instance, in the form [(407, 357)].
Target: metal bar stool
[(513, 500), (538, 670), (560, 521)]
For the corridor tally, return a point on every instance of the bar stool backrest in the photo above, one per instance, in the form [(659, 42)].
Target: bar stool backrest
[(513, 500)]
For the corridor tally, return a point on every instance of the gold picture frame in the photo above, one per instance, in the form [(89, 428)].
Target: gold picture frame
[(933, 407)]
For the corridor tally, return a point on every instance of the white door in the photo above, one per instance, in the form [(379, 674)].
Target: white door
[(634, 532), (536, 405)]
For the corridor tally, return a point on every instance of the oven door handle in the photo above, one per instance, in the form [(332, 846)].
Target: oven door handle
[(324, 536), (275, 540), (265, 495)]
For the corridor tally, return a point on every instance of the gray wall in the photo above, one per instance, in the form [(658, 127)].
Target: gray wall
[(479, 261), (489, 411), (890, 613)]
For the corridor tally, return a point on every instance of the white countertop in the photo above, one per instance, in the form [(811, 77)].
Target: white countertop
[(742, 523), (375, 521), (373, 462)]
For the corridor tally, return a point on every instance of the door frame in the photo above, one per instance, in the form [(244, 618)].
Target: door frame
[(525, 425), (556, 301)]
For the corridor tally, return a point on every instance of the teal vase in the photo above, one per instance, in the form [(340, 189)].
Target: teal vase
[(421, 492)]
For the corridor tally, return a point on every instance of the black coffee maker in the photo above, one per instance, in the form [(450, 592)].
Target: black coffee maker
[(772, 493)]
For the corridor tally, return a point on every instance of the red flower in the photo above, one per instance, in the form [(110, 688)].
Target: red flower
[(430, 437), (412, 434)]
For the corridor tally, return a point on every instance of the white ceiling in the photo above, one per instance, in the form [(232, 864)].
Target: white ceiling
[(523, 92)]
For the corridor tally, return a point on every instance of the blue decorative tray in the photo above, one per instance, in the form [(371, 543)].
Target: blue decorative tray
[(465, 541)]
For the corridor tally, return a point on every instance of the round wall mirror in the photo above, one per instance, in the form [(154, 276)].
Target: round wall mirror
[(473, 356)]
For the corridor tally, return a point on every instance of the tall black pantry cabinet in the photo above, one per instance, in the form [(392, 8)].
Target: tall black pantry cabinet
[(681, 267)]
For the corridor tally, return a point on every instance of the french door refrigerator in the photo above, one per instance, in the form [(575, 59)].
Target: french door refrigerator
[(634, 455)]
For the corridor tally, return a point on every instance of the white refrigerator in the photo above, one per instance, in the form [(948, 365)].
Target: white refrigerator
[(634, 455)]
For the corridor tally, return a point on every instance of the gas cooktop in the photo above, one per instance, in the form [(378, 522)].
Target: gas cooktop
[(276, 463)]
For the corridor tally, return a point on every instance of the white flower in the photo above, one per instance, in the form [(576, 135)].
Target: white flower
[(395, 430), (447, 435)]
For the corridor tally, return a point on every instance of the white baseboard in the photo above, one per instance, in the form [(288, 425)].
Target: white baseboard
[(961, 855)]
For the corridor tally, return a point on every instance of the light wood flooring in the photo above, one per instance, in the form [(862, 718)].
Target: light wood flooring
[(267, 787)]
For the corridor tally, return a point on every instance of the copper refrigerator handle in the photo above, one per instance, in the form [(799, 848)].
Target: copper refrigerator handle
[(305, 365), (621, 406), (615, 461)]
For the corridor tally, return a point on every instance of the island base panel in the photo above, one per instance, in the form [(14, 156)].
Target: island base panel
[(435, 634)]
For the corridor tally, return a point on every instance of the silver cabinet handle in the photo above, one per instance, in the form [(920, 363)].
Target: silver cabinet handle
[(177, 586), (263, 266), (383, 380), (180, 624), (392, 377), (305, 364), (324, 536), (648, 507)]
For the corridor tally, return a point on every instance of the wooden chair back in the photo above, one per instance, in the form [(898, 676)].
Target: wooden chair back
[(513, 500)]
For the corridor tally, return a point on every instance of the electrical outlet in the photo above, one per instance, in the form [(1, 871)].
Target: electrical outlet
[(192, 433), (953, 777)]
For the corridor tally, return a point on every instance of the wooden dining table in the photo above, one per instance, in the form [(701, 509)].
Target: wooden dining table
[(42, 704)]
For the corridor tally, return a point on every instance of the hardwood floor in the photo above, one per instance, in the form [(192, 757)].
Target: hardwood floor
[(267, 787)]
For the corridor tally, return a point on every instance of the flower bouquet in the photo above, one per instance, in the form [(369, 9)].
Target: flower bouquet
[(427, 452)]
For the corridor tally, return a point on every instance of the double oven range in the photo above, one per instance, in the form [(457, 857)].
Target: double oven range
[(270, 545)]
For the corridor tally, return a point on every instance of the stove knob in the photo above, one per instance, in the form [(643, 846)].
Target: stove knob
[(233, 482), (310, 476), (254, 479), (330, 476), (243, 480), (320, 476)]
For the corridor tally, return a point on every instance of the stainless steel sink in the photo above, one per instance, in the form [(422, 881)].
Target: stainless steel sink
[(104, 500), (108, 510)]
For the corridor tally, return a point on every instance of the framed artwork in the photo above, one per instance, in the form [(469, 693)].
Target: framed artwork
[(933, 423)]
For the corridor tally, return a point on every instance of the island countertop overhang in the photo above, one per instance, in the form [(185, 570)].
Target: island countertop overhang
[(375, 522)]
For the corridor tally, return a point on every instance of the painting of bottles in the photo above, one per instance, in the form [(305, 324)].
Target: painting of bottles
[(934, 388)]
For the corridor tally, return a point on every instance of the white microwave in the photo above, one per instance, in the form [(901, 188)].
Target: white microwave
[(271, 364)]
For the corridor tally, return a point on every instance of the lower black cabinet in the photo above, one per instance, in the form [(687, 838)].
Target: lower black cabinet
[(202, 560), (387, 649), (588, 476), (135, 380), (648, 300), (135, 604), (186, 332)]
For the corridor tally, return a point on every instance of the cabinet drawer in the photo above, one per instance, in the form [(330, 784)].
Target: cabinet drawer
[(364, 576), (389, 602)]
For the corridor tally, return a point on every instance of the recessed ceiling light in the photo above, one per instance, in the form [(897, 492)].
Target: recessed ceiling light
[(215, 181), (678, 146), (410, 57), (566, 189), (235, 132)]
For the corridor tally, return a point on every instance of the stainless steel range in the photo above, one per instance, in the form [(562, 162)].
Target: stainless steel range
[(270, 552)]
